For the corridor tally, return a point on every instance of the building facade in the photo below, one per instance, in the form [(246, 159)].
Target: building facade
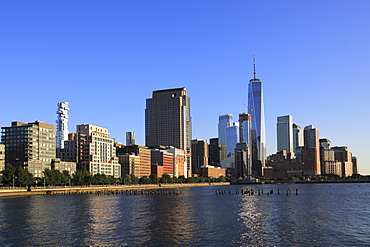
[(164, 159), (223, 122), (92, 148), (214, 152), (168, 120), (130, 164), (144, 154), (232, 138), (30, 145), (179, 161)]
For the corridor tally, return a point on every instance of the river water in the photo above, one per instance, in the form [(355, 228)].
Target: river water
[(321, 215)]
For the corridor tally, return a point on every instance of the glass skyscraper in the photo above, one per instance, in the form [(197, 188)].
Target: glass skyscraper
[(223, 122), (258, 133), (168, 121), (284, 130)]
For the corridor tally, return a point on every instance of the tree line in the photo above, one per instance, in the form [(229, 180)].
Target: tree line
[(19, 176)]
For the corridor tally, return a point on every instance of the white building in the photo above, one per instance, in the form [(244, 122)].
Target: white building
[(99, 153), (62, 124)]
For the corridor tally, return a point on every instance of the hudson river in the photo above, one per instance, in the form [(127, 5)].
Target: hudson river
[(321, 215)]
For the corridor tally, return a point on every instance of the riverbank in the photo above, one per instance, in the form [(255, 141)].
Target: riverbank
[(92, 189)]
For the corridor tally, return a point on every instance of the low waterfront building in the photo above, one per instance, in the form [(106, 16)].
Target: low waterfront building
[(179, 161), (130, 164), (211, 171), (144, 166), (161, 158)]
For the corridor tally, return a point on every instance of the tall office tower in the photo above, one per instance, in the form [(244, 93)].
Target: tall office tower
[(168, 121), (284, 130), (223, 122), (199, 154), (258, 133), (298, 140), (62, 124), (93, 149), (130, 138), (30, 145), (311, 151), (214, 151), (244, 127), (232, 138)]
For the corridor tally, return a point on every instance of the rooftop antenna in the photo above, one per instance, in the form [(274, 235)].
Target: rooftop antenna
[(254, 67)]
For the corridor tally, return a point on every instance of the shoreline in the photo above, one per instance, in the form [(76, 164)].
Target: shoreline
[(92, 189)]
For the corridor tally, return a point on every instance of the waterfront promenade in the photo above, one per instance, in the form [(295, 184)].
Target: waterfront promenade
[(17, 191)]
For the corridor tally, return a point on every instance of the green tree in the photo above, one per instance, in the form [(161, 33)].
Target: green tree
[(131, 179), (192, 180), (166, 179), (23, 176), (8, 174), (52, 177), (181, 179), (81, 177), (153, 179), (66, 177), (144, 180)]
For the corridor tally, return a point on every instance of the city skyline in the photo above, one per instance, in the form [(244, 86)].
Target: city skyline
[(105, 59)]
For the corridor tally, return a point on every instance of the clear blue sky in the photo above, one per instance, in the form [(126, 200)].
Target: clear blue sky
[(106, 57)]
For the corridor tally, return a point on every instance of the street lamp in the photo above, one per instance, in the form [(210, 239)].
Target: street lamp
[(13, 180)]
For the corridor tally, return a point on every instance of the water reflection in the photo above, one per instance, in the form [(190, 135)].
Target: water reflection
[(173, 221), (321, 215), (253, 220)]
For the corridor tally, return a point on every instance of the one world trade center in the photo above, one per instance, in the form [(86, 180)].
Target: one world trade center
[(258, 133)]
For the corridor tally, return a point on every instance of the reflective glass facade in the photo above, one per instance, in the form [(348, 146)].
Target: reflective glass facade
[(258, 133), (223, 122)]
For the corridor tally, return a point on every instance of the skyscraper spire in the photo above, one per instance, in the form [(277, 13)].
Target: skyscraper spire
[(254, 67)]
